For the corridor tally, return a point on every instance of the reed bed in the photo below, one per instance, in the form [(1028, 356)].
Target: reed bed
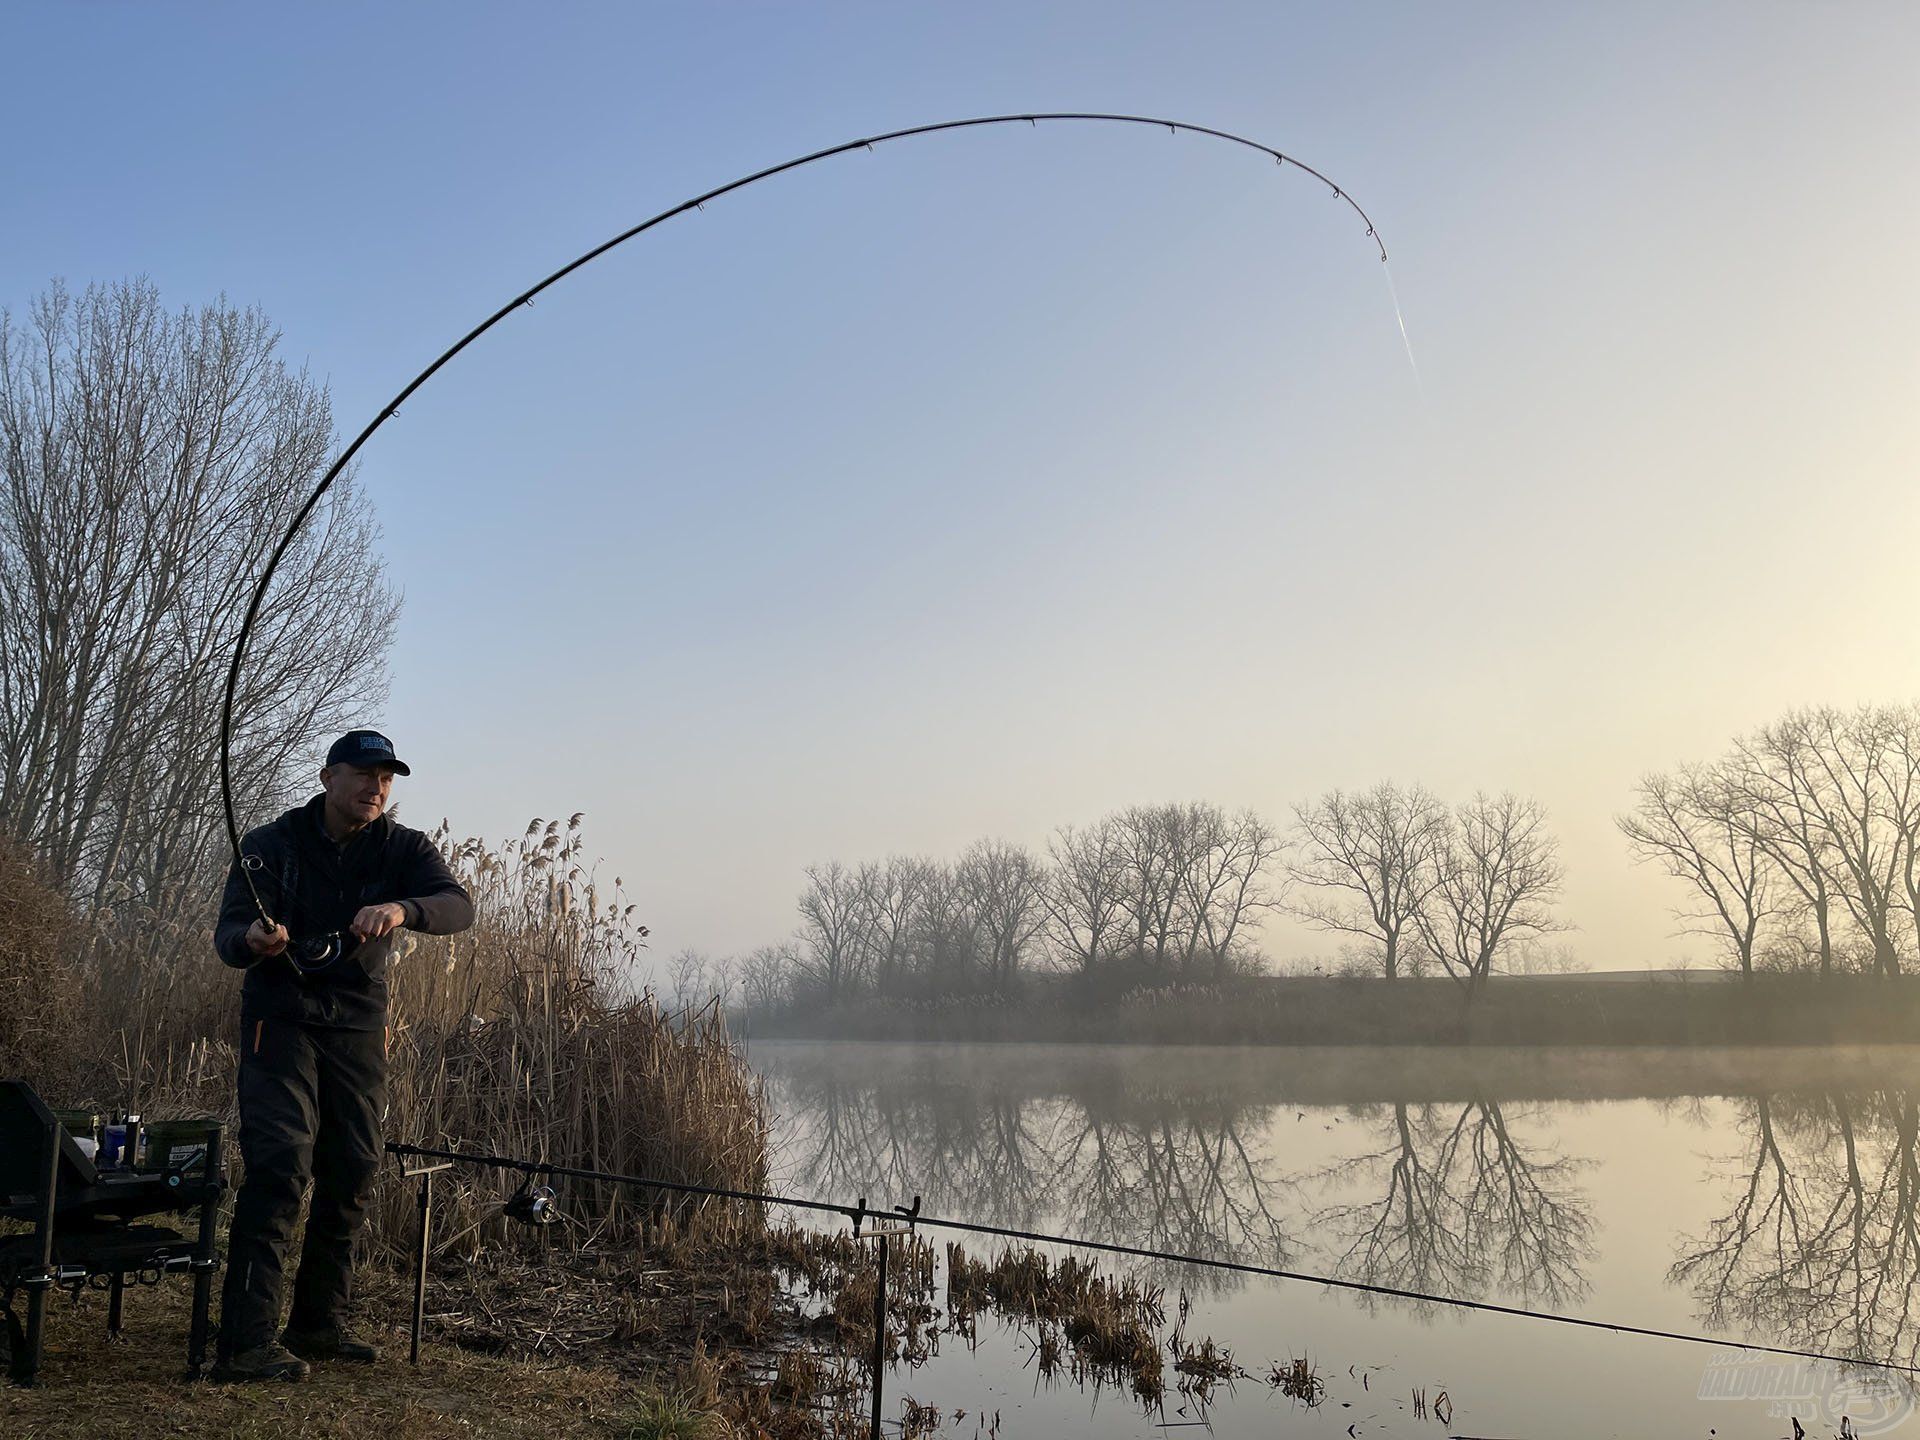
[(39, 992), (527, 1036)]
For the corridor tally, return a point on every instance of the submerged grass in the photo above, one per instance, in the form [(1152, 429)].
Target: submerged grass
[(1299, 1380), (1098, 1327)]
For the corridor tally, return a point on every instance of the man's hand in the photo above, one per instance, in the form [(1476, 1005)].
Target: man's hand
[(262, 941), (376, 920)]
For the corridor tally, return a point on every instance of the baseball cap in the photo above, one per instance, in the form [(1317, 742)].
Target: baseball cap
[(368, 748)]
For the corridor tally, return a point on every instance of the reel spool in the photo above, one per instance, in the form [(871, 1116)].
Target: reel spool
[(533, 1205)]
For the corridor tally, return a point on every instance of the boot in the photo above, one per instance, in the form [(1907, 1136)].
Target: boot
[(330, 1343), (263, 1362)]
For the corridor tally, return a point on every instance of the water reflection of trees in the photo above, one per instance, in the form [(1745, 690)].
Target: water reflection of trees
[(1819, 1246), (1446, 1198), (1455, 1202), (1189, 1175), (1194, 1182)]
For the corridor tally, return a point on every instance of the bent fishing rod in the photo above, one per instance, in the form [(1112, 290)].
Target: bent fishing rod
[(526, 298)]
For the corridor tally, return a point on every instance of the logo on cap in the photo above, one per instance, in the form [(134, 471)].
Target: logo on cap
[(367, 748)]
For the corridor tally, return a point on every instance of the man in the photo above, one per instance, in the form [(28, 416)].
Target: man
[(340, 878)]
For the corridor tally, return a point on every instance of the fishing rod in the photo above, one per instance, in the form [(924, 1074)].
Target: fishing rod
[(912, 1216), (526, 298)]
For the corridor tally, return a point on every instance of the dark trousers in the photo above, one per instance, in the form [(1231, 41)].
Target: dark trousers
[(311, 1101)]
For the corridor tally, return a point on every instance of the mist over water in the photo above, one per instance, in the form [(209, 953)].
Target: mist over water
[(1748, 1193)]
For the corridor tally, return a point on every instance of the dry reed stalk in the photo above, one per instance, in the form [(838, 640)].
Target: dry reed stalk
[(1110, 1325), (526, 1036)]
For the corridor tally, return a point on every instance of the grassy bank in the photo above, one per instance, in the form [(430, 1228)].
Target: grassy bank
[(1768, 1010), (133, 1391)]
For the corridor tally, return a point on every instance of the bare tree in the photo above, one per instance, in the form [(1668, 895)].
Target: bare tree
[(1003, 885), (1498, 877), (947, 939), (1780, 777), (1903, 770), (1085, 894), (765, 974), (148, 463), (1863, 797), (833, 925), (1367, 864), (1156, 842), (1835, 800), (692, 975), (894, 892), (1701, 827), (1225, 883)]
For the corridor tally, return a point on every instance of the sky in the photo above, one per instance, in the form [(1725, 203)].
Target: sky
[(992, 481)]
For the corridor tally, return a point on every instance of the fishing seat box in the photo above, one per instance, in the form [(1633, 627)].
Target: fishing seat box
[(90, 1227)]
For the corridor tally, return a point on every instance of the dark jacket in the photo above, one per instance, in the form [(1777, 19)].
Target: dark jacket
[(314, 887)]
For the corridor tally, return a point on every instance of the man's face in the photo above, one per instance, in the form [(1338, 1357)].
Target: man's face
[(357, 794)]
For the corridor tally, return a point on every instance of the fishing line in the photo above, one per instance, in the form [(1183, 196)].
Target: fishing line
[(1138, 1252), (1400, 318), (526, 298)]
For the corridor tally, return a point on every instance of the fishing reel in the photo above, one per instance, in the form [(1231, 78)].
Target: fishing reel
[(532, 1204), (310, 954)]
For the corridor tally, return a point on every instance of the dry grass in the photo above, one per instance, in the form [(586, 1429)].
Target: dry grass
[(39, 990), (1204, 1362), (525, 1037), (679, 1338)]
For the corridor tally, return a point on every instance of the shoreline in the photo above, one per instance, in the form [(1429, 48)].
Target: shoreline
[(1342, 1075), (1776, 1011)]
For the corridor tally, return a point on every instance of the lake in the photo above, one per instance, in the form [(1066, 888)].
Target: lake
[(1765, 1195)]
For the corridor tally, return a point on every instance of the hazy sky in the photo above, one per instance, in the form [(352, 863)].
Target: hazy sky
[(992, 481)]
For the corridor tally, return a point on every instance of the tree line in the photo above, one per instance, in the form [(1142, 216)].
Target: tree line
[(1799, 849), (1160, 894), (1800, 846)]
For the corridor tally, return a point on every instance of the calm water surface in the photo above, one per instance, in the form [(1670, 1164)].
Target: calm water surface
[(1766, 1195)]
